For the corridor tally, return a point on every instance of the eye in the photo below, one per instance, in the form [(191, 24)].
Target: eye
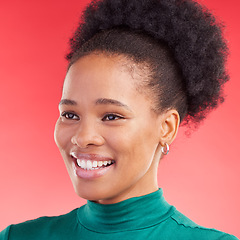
[(70, 116), (111, 117)]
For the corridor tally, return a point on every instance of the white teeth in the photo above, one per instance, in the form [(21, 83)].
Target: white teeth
[(100, 163), (83, 164), (89, 164), (79, 162), (105, 163)]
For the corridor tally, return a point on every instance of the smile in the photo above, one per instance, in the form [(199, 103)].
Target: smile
[(91, 161), (93, 165)]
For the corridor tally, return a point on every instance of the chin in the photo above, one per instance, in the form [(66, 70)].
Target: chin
[(92, 193)]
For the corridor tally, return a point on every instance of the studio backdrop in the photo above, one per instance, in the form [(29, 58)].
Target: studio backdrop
[(201, 174)]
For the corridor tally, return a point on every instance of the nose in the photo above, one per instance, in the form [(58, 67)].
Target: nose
[(87, 135)]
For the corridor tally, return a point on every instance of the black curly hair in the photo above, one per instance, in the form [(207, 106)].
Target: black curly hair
[(180, 42)]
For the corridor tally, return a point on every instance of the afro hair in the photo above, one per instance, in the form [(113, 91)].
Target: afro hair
[(191, 33)]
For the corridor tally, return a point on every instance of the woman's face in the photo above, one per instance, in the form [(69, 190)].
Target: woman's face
[(107, 132)]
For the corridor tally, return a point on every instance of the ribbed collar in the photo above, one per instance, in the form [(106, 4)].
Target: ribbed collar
[(131, 214)]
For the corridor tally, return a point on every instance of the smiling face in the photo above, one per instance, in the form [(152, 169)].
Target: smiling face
[(107, 132)]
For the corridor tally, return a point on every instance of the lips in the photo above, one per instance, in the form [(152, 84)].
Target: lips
[(91, 166), (91, 161)]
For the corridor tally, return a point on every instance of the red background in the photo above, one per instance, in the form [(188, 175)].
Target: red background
[(201, 174)]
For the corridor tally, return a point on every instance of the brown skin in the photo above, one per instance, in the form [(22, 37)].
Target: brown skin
[(132, 135)]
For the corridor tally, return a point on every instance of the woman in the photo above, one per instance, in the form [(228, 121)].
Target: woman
[(137, 69)]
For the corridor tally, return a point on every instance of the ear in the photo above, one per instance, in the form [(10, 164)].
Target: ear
[(170, 121)]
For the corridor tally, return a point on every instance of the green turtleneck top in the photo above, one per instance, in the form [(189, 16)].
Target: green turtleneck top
[(145, 217)]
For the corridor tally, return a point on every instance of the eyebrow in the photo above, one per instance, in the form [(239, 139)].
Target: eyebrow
[(67, 102), (100, 101), (108, 101)]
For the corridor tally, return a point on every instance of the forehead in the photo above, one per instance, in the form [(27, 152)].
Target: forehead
[(99, 76), (104, 70), (94, 76)]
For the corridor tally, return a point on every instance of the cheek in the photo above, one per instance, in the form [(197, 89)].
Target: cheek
[(62, 136), (133, 143)]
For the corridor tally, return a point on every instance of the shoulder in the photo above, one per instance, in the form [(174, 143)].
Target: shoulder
[(187, 229), (4, 234), (40, 228)]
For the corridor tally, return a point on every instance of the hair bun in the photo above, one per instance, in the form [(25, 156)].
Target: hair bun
[(190, 30)]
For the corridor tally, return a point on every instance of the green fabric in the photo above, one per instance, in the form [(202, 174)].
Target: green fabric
[(146, 217)]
